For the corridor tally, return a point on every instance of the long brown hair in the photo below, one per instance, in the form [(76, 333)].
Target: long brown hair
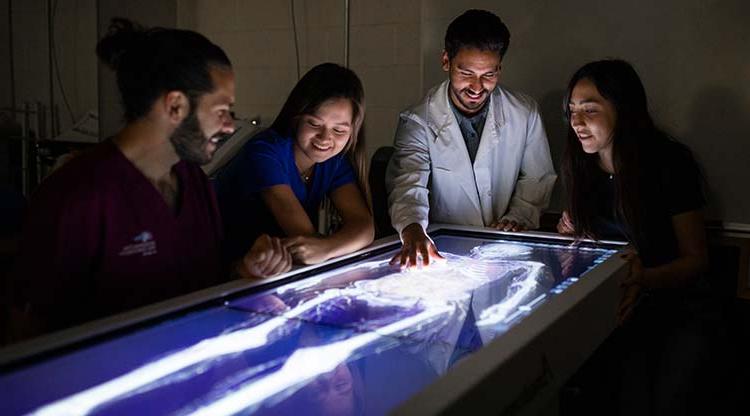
[(618, 83), (325, 82)]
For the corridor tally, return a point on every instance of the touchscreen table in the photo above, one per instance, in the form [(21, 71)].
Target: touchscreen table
[(358, 338)]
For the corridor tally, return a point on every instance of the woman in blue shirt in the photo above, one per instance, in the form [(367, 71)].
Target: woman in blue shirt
[(314, 148)]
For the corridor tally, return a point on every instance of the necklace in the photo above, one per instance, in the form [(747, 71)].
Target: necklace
[(306, 175)]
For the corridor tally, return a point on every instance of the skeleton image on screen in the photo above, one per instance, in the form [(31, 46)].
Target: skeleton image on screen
[(301, 338)]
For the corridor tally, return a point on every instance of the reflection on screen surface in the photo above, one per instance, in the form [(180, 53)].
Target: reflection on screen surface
[(359, 339)]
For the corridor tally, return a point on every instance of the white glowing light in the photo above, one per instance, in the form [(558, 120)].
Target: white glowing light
[(501, 250), (303, 365), (440, 294), (439, 282), (519, 290), (87, 400)]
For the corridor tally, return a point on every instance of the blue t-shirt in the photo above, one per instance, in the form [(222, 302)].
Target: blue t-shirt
[(268, 160)]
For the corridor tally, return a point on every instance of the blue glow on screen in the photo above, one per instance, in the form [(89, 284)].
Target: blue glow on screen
[(359, 339)]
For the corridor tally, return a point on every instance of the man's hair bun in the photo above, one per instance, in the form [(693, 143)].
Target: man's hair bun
[(122, 36)]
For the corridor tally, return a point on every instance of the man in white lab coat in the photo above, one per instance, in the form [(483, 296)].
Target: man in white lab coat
[(472, 152)]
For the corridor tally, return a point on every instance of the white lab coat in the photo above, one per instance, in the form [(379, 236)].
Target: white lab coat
[(430, 177)]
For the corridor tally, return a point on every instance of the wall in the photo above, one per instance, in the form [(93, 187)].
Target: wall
[(5, 73), (82, 82), (691, 54), (385, 52), (74, 30), (258, 36), (147, 13)]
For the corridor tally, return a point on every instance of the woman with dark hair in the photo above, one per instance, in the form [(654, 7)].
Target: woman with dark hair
[(627, 179), (314, 148)]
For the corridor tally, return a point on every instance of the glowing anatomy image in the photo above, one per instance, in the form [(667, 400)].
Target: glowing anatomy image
[(316, 339)]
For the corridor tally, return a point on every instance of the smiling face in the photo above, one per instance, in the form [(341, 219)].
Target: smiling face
[(197, 137), (473, 75), (323, 134), (593, 118)]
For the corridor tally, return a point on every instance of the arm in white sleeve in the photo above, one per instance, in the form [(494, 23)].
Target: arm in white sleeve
[(408, 175), (536, 177)]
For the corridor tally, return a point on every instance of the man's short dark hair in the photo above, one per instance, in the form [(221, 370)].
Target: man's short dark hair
[(477, 29), (151, 62)]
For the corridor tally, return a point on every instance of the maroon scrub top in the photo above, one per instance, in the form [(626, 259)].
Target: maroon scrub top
[(99, 239)]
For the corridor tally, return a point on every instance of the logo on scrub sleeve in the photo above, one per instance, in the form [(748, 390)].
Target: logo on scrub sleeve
[(143, 244)]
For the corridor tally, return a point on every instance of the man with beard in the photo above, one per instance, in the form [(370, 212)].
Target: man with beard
[(134, 220), (472, 152)]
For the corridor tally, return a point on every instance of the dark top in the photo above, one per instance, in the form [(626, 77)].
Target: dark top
[(672, 185), (99, 239), (268, 160), (471, 127)]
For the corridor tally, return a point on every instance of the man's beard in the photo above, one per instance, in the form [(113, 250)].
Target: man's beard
[(189, 141), (473, 108)]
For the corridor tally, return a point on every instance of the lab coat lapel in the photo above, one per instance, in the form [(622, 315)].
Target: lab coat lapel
[(489, 145), (449, 143)]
